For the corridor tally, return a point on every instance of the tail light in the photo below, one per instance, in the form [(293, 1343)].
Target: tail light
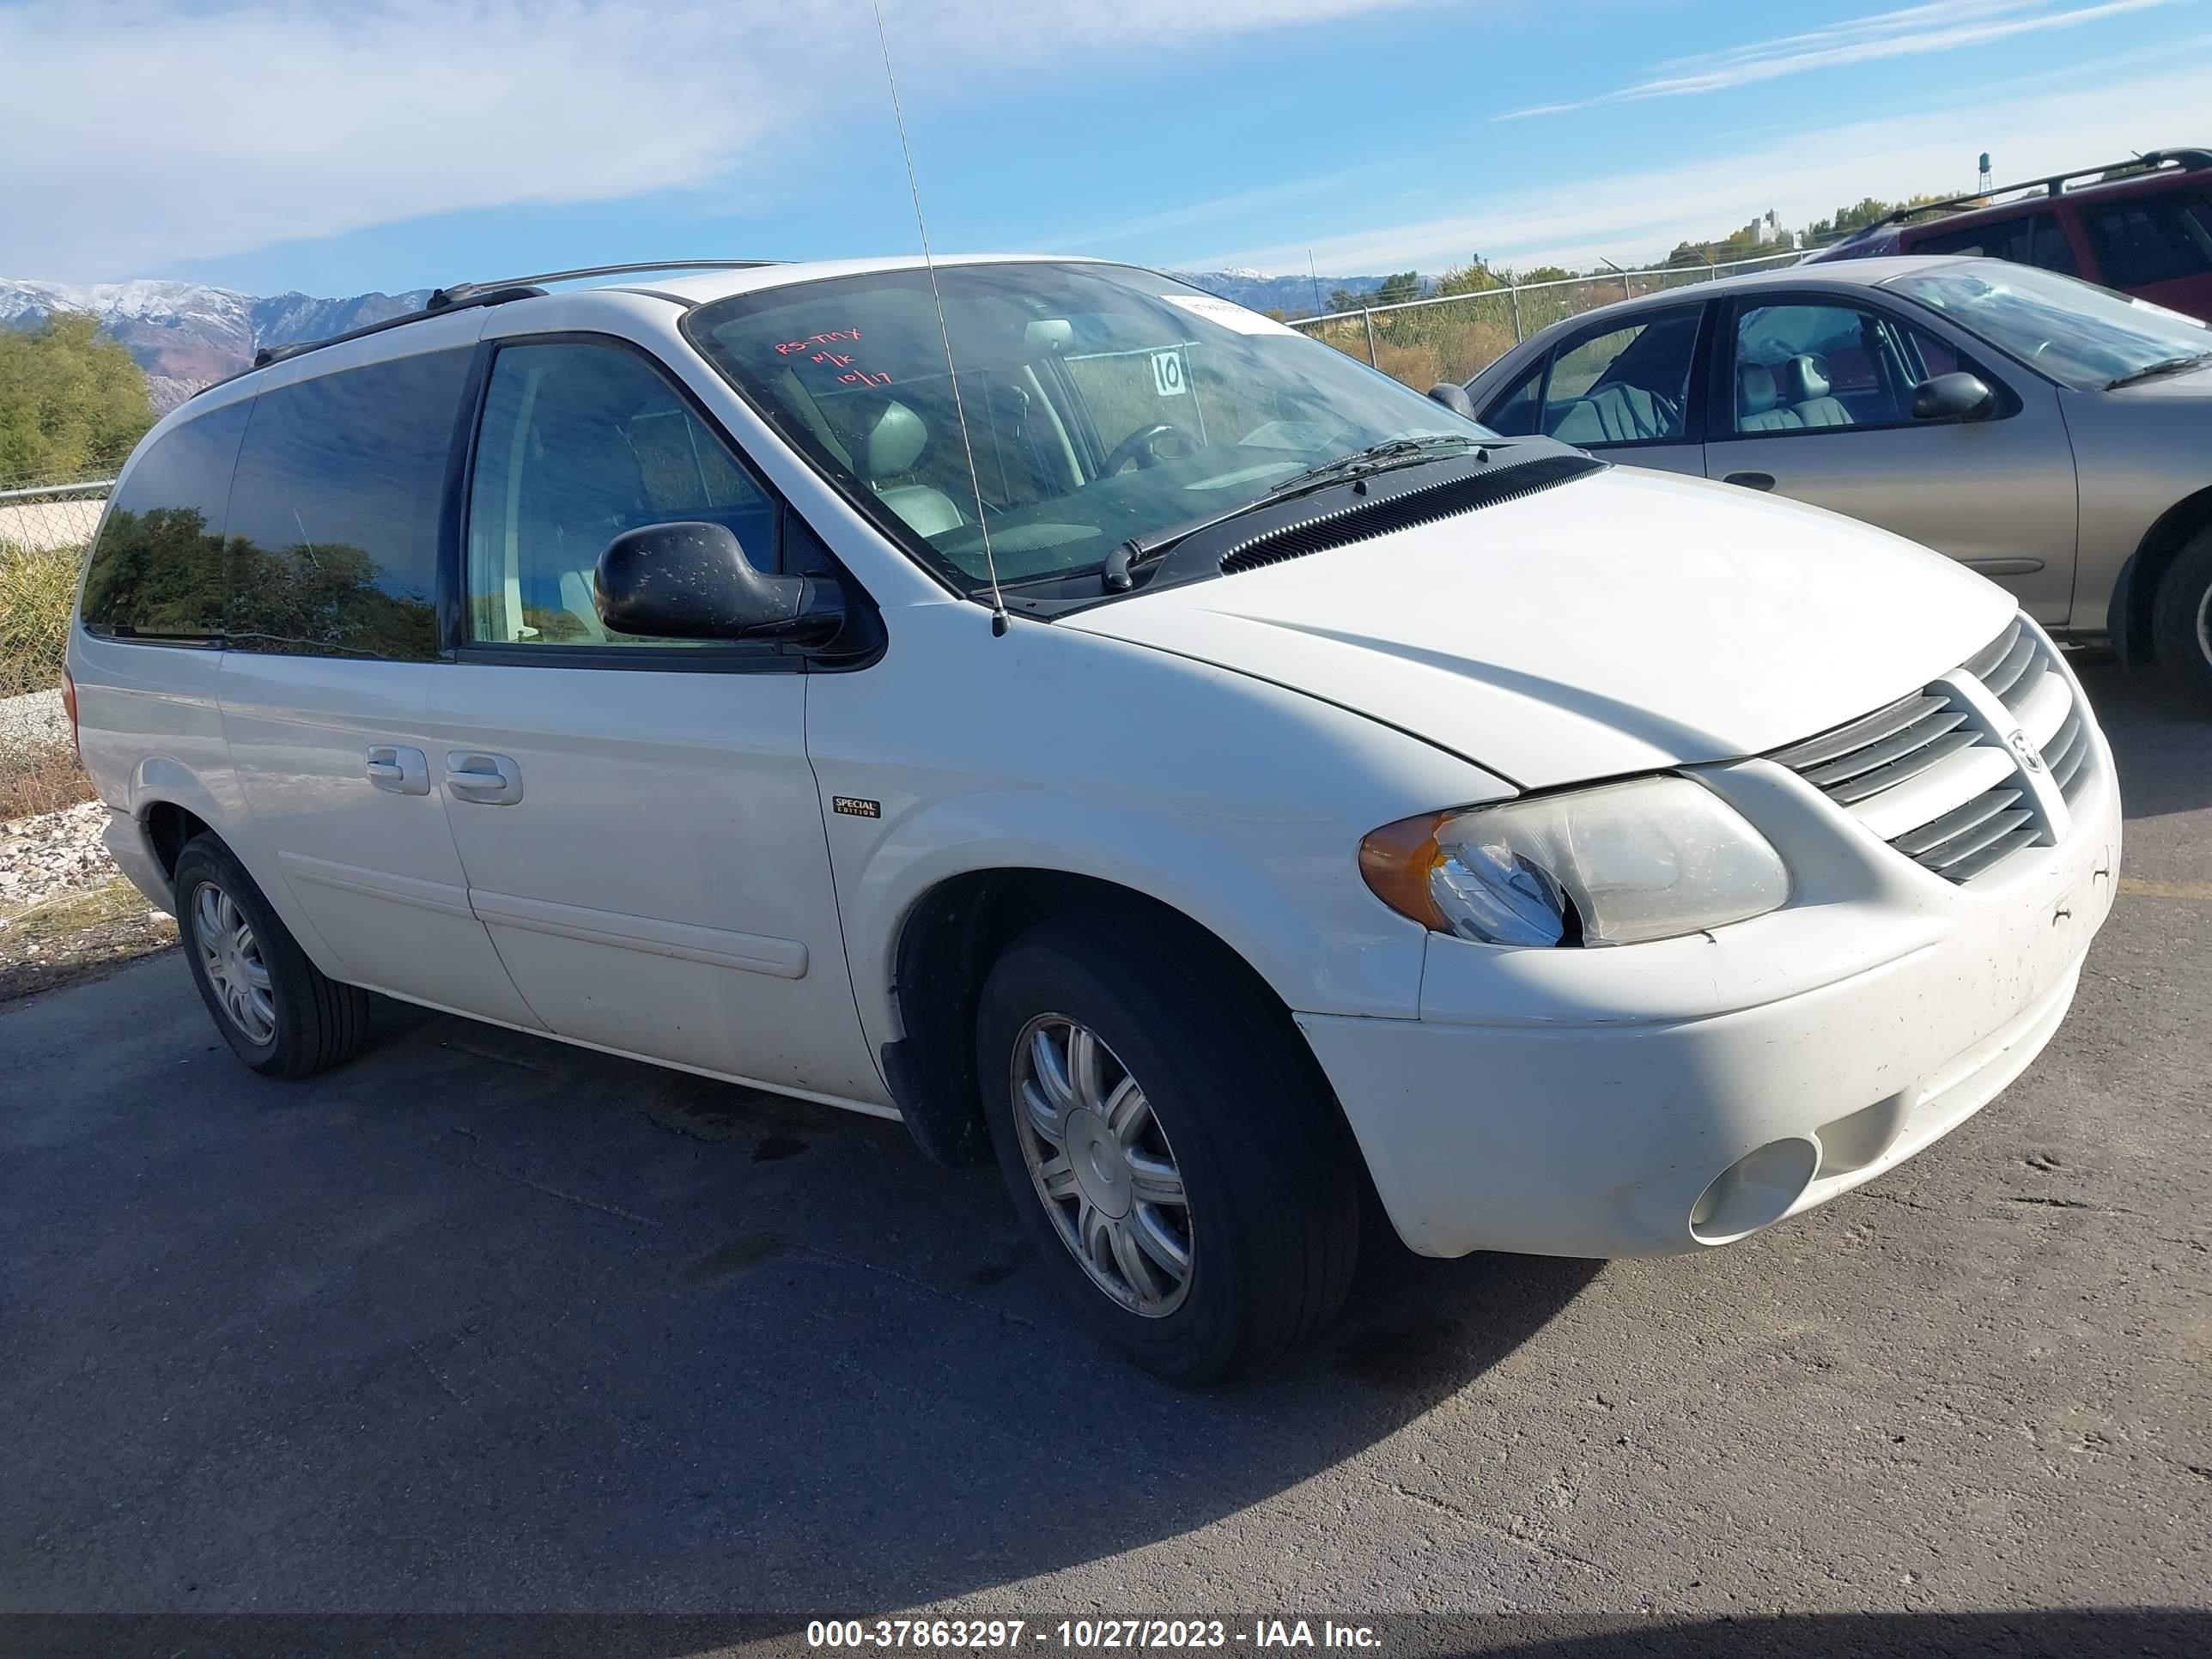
[(69, 703)]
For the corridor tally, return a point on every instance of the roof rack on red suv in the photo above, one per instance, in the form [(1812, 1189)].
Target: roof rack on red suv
[(2055, 184), (2142, 225)]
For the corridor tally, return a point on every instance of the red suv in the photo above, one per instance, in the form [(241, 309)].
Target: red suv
[(2146, 232)]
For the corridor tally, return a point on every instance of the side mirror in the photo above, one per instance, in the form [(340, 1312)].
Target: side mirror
[(1453, 397), (692, 581), (1954, 396)]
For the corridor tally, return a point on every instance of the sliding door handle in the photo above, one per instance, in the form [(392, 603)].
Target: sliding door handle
[(1751, 480), (486, 779)]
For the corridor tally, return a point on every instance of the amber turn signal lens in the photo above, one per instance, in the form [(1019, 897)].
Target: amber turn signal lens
[(1396, 861)]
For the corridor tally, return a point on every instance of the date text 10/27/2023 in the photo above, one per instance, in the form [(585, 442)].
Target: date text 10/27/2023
[(1090, 1634)]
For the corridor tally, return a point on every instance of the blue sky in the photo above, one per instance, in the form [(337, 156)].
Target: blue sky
[(400, 143)]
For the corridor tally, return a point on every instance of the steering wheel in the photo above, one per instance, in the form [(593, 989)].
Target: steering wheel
[(1138, 447)]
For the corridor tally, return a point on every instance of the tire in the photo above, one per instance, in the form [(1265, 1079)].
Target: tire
[(2181, 619), (302, 1022), (1227, 1100)]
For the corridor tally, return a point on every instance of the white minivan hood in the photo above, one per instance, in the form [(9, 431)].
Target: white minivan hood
[(1617, 623)]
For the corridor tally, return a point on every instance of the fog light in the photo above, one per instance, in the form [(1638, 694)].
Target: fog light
[(1755, 1190)]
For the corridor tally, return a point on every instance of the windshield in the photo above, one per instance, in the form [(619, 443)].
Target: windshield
[(2079, 335), (1102, 402)]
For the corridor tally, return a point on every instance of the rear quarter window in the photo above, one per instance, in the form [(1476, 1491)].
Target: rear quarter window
[(157, 570), (2159, 238), (2032, 238), (334, 513)]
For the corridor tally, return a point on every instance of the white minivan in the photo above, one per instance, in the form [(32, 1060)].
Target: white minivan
[(1169, 755)]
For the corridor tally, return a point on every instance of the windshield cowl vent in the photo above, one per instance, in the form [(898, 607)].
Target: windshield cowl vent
[(1362, 519)]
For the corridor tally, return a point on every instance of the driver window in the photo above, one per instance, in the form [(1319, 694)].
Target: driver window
[(1630, 386), (1830, 366), (578, 443)]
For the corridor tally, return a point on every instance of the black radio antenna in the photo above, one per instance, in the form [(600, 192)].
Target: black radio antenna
[(943, 333)]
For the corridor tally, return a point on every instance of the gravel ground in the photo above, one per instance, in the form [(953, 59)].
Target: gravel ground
[(49, 853), (38, 717)]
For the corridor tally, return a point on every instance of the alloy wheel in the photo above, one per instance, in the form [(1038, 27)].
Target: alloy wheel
[(1102, 1166), (232, 958)]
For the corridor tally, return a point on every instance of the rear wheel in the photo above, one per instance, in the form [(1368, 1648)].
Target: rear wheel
[(280, 1013), (2181, 619), (1168, 1142)]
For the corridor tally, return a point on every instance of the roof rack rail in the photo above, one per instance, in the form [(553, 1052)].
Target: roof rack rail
[(490, 296), (444, 297), (2054, 183), (462, 295)]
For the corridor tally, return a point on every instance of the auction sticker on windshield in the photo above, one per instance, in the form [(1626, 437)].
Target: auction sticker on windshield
[(1227, 315)]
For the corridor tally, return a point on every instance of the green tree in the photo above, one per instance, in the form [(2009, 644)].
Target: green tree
[(1865, 211), (71, 403), (1475, 277), (1397, 287)]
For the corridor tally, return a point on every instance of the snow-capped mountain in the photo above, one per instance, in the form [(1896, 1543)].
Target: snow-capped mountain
[(188, 335)]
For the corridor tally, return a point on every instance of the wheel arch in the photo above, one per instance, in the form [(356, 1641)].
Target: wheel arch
[(168, 827), (2135, 594), (945, 945)]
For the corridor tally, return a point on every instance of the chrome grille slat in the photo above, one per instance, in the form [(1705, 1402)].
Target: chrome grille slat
[(2005, 678), (1978, 810), (1868, 785), (1983, 835), (2067, 753), (1940, 774), (1991, 856), (1994, 653), (1918, 735), (1870, 728)]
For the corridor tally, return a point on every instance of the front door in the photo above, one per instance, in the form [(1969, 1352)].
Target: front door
[(1814, 401), (640, 827), (1622, 390)]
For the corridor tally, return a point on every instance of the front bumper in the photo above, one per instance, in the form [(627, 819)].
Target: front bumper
[(1588, 1102)]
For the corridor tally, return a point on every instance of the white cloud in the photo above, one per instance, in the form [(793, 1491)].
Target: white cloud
[(141, 134), (1942, 26), (1636, 217)]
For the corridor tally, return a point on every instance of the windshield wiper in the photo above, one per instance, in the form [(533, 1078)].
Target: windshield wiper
[(2163, 366), (1375, 457), (1382, 457)]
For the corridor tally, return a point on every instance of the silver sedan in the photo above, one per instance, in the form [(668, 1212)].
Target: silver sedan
[(2053, 435)]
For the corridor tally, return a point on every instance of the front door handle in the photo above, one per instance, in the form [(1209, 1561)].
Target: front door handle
[(402, 770), (487, 780), (1751, 480)]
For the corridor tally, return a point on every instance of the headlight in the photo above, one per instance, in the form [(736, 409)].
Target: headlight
[(1616, 864)]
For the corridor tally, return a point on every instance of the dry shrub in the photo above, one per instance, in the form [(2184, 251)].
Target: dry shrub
[(37, 592), (1416, 365), (39, 776)]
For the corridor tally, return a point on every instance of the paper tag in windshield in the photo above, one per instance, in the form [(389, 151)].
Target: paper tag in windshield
[(2162, 311), (1229, 315)]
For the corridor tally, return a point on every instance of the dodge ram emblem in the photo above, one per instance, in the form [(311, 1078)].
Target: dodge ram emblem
[(2030, 755)]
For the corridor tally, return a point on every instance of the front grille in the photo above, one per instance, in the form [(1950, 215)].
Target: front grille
[(1935, 773)]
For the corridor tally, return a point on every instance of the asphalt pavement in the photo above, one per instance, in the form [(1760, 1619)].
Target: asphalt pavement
[(480, 1323)]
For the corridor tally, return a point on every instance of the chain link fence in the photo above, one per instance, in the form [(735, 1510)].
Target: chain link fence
[(1455, 337), (44, 530)]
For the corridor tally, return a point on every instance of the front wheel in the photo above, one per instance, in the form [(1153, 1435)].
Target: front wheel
[(2181, 619), (1169, 1143)]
